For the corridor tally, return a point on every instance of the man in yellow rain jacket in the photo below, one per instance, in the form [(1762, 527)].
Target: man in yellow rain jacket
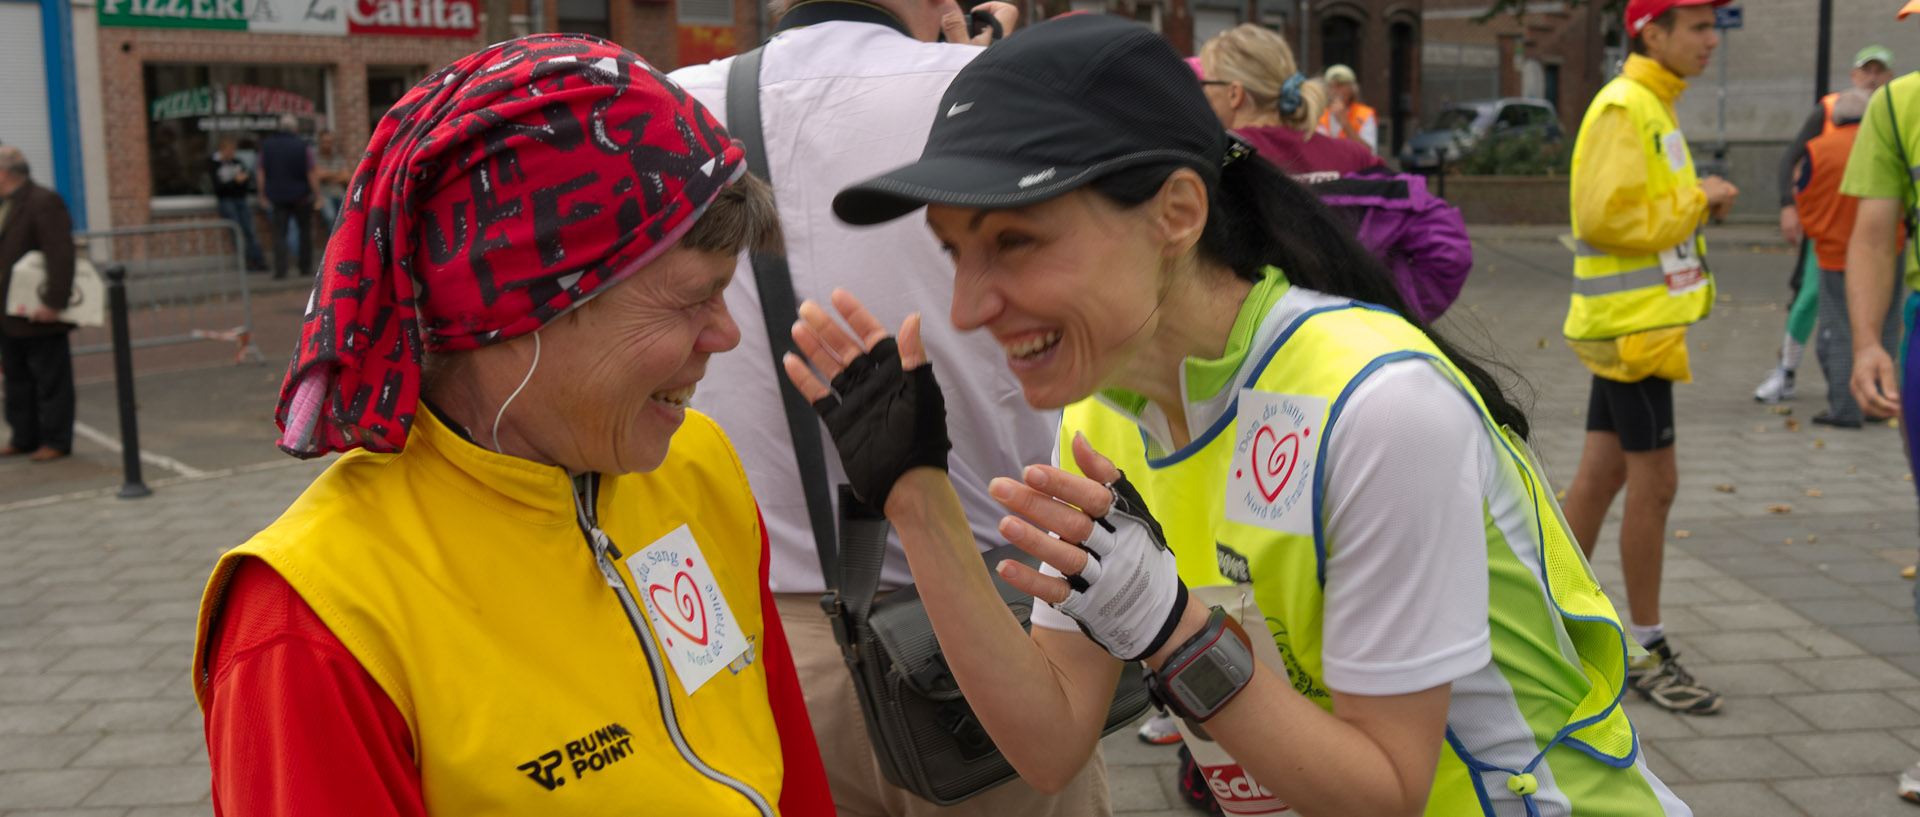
[(1640, 277)]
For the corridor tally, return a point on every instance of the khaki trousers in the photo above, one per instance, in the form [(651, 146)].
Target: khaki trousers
[(859, 787)]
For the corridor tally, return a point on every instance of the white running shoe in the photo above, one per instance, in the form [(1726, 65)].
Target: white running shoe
[(1777, 387), (1159, 731), (1910, 784)]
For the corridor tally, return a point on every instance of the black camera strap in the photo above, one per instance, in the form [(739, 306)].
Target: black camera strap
[(779, 309)]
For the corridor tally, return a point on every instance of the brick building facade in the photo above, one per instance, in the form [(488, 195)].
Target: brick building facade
[(1555, 51), (1381, 41), (128, 54), (154, 82), (152, 155)]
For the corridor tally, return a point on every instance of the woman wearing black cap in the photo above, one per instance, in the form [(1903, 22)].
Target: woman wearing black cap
[(1354, 488)]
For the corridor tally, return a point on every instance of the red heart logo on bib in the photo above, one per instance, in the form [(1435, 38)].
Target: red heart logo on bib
[(1277, 462), (682, 607)]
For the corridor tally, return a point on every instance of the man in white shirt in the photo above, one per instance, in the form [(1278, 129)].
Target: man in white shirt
[(848, 89)]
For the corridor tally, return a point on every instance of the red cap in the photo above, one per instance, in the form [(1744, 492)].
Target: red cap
[(1642, 12)]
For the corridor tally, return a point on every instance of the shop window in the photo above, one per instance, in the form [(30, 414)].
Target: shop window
[(191, 108), (703, 31), (585, 17)]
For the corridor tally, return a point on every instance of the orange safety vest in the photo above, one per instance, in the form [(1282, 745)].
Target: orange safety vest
[(1357, 116), (1825, 212)]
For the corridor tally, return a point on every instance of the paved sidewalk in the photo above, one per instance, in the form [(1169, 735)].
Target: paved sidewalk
[(1800, 617)]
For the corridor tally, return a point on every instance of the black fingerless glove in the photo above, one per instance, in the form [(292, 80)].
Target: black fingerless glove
[(885, 421)]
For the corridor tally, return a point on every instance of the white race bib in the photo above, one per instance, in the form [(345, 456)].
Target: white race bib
[(1233, 788), (1681, 265), (1270, 478), (691, 618), (1674, 145)]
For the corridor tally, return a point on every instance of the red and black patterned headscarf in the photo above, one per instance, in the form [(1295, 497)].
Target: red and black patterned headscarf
[(496, 195)]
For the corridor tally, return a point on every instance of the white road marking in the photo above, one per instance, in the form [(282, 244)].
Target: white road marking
[(148, 457)]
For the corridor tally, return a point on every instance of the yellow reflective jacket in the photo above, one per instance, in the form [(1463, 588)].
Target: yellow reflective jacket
[(514, 643), (1634, 197)]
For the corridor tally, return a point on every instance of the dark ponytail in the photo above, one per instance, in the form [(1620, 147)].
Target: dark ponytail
[(1259, 217)]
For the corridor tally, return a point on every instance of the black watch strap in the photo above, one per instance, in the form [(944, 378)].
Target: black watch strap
[(1206, 672)]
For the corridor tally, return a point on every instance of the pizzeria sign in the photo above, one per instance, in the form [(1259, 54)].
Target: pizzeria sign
[(339, 18)]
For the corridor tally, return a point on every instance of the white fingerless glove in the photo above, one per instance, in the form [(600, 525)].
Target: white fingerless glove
[(1129, 596)]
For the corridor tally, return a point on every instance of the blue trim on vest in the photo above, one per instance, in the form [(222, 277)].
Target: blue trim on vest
[(63, 109), (1479, 786), (1533, 482), (1326, 433), (1564, 734), (1540, 550), (1226, 418)]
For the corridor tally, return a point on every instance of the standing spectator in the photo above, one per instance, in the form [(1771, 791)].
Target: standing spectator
[(1253, 84), (1249, 77), (469, 613), (1827, 215), (1880, 172), (1640, 278), (1872, 68), (333, 169), (848, 89), (33, 349), (288, 179), (1347, 117), (232, 183), (1432, 638)]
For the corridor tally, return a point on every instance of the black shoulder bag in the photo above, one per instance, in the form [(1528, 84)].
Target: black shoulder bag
[(924, 734)]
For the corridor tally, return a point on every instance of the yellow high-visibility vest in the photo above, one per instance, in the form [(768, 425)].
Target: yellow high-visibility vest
[(1619, 295), (463, 582)]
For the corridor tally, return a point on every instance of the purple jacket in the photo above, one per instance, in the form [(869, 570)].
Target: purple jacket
[(1418, 235)]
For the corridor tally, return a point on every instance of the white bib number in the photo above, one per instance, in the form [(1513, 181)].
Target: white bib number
[(1681, 265), (1233, 788)]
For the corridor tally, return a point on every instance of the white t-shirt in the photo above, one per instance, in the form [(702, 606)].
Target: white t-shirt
[(842, 102), (1407, 467)]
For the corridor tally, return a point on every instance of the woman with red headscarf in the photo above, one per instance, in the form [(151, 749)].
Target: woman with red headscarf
[(539, 587)]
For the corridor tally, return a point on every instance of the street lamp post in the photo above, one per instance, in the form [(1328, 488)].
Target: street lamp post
[(1823, 49)]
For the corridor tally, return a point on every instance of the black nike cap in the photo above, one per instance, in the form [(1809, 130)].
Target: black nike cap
[(1045, 111)]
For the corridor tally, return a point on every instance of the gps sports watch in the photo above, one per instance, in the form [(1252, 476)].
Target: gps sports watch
[(1206, 672)]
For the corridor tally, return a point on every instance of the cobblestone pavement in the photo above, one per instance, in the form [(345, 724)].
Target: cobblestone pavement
[(1800, 617)]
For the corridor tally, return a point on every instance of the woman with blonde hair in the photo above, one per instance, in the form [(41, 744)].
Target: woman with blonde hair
[(1254, 85)]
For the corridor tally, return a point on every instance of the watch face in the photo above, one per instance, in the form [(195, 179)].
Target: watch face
[(1206, 682)]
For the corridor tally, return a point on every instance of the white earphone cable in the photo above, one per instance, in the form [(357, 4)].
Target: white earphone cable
[(516, 392)]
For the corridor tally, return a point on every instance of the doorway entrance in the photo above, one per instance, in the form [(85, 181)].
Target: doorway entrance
[(1401, 43)]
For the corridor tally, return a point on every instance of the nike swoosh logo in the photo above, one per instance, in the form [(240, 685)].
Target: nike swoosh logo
[(958, 109)]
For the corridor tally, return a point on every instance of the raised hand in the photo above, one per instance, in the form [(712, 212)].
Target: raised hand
[(884, 408), (953, 22), (1120, 581)]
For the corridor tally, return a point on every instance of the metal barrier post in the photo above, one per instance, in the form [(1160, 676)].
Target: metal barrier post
[(134, 487)]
